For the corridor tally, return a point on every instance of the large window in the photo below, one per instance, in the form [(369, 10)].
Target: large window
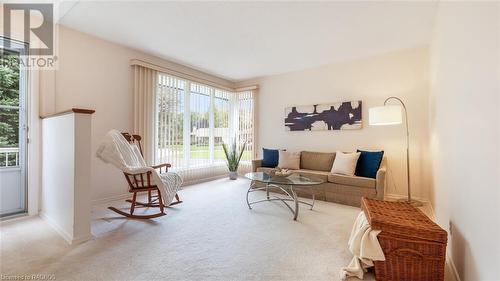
[(194, 120)]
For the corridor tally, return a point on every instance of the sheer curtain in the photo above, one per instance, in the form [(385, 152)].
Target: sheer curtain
[(170, 114), (245, 127), (145, 81)]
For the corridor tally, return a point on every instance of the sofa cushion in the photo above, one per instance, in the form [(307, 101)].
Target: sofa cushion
[(345, 163), (270, 157), (318, 161), (289, 160), (352, 180), (313, 174), (368, 163)]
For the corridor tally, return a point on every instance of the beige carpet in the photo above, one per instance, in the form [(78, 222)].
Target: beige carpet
[(212, 236)]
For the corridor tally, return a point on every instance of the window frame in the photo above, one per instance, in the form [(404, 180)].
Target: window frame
[(233, 125)]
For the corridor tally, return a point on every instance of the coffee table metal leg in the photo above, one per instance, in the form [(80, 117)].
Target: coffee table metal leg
[(296, 200), (288, 190), (248, 202), (314, 200)]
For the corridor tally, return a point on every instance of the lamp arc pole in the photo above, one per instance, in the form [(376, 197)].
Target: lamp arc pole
[(413, 202)]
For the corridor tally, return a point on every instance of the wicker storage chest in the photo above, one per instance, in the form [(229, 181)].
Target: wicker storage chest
[(413, 245)]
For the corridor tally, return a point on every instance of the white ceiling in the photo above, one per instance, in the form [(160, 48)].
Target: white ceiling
[(244, 40)]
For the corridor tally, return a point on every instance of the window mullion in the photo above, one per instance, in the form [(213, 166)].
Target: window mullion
[(236, 119), (211, 124), (231, 117), (187, 123)]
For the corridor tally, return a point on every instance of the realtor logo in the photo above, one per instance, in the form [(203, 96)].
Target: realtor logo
[(32, 24), (40, 34)]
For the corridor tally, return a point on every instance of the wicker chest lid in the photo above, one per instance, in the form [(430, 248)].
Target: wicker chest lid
[(401, 218)]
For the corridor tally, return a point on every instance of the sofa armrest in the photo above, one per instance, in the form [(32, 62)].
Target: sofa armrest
[(380, 182), (257, 163)]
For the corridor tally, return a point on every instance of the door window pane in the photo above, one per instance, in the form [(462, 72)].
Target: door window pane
[(9, 78), (9, 109)]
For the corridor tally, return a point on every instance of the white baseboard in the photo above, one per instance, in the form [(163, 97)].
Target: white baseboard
[(66, 236), (399, 196), (431, 211), (192, 182), (106, 200), (56, 227), (451, 267), (81, 239)]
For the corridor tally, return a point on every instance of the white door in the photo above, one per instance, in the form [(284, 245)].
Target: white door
[(12, 133)]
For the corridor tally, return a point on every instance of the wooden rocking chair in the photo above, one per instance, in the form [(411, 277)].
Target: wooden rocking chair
[(143, 182)]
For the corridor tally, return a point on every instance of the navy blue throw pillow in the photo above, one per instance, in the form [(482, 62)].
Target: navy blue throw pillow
[(270, 157), (368, 163)]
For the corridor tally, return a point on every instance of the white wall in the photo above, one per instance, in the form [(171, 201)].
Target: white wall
[(58, 173), (403, 74), (66, 175), (464, 134), (96, 74)]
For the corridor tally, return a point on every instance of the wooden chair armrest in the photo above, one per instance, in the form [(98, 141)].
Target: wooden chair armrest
[(160, 166)]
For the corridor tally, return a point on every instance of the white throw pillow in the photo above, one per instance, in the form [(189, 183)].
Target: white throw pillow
[(289, 160), (345, 163)]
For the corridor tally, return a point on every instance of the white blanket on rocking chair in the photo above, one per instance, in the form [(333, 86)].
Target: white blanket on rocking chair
[(117, 151)]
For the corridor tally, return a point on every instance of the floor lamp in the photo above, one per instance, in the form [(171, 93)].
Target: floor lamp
[(393, 115)]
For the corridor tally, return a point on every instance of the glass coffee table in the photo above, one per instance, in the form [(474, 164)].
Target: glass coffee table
[(286, 185)]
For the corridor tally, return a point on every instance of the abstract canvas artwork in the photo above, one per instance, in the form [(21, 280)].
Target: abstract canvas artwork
[(335, 116)]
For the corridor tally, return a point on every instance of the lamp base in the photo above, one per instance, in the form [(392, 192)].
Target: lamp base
[(413, 202)]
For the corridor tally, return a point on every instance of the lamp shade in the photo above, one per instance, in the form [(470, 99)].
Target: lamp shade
[(385, 115)]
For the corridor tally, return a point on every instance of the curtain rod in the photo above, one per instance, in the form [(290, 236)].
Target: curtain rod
[(246, 88), (188, 76)]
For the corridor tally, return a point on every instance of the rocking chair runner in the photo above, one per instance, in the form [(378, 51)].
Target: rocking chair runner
[(143, 182)]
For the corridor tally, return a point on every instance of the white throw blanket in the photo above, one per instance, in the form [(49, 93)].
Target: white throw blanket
[(117, 151), (365, 247)]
